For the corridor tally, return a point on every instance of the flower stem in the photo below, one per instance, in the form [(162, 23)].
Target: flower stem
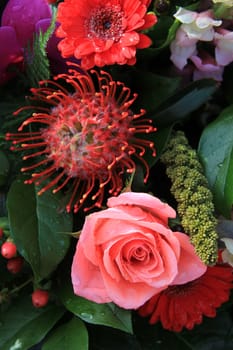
[(21, 286)]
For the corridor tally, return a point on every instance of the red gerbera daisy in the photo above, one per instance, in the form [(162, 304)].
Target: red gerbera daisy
[(85, 137), (185, 305), (103, 32)]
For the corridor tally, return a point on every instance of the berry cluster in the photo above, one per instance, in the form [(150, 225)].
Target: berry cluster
[(9, 252), (14, 265)]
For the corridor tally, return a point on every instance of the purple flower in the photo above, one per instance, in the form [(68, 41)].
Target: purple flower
[(206, 67), (17, 28), (20, 20), (11, 53), (23, 16)]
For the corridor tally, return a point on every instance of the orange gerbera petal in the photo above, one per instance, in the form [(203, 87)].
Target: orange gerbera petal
[(99, 28)]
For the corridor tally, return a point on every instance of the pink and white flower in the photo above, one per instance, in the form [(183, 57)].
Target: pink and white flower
[(199, 26), (223, 40), (182, 48), (206, 67)]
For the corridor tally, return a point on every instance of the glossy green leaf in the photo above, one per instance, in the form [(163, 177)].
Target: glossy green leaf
[(103, 314), (216, 153), (22, 325), (38, 228), (223, 187), (184, 102), (163, 33), (71, 336)]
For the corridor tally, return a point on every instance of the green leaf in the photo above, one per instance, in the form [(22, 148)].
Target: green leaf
[(4, 168), (22, 325), (164, 33), (4, 222), (37, 62), (71, 336), (223, 187), (152, 89), (38, 228), (216, 153), (181, 104), (103, 338), (102, 314)]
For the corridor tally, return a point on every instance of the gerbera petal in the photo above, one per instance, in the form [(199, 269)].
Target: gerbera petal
[(185, 305), (85, 48), (111, 29), (144, 42), (150, 19)]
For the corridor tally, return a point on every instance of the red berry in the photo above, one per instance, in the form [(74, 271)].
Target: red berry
[(1, 233), (8, 250), (40, 298), (14, 265)]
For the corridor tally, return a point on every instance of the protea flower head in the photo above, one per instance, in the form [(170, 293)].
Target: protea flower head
[(83, 137)]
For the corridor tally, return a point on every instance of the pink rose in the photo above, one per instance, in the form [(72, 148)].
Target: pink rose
[(127, 253)]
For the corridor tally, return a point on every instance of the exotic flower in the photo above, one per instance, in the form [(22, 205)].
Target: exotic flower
[(183, 306), (194, 198), (127, 253), (103, 32), (87, 136)]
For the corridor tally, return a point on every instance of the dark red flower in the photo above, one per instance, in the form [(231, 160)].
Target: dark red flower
[(183, 306), (103, 32), (84, 138)]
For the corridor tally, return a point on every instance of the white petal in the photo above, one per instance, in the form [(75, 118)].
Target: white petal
[(228, 243)]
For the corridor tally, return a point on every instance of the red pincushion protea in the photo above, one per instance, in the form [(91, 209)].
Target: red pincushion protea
[(103, 32), (85, 138), (185, 305)]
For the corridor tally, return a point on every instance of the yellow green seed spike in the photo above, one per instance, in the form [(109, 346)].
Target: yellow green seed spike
[(194, 199)]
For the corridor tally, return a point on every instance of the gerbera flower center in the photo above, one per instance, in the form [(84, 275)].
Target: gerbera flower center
[(183, 289), (105, 23)]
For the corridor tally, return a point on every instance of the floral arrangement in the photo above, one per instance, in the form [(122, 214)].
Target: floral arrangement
[(116, 174)]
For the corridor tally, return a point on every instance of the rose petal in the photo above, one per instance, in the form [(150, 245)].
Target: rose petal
[(86, 278), (190, 266), (144, 201)]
